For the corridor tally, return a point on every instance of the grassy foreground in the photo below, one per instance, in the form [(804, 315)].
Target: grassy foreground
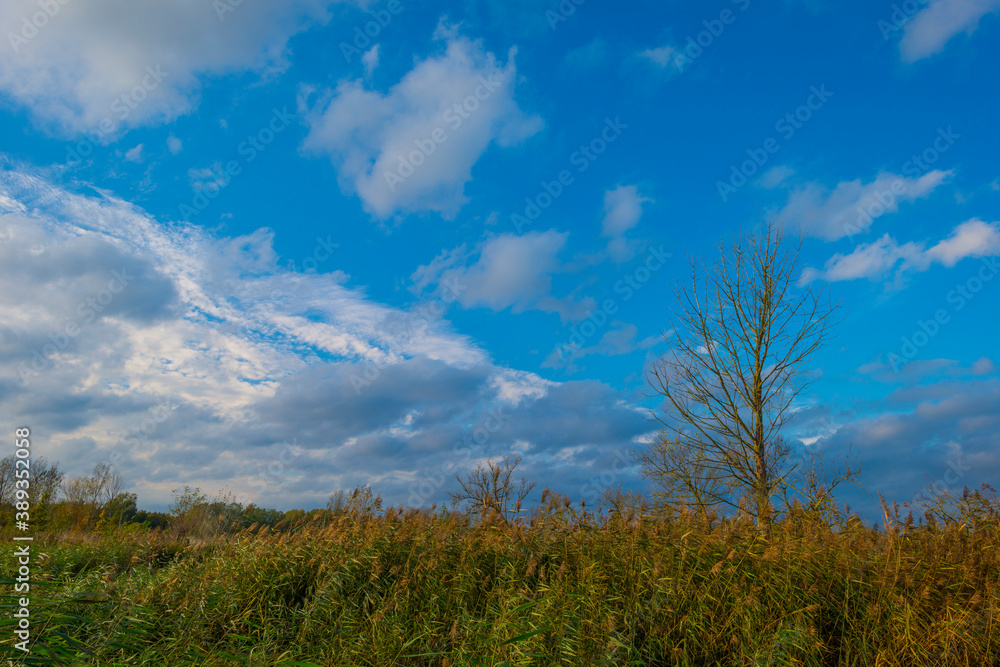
[(420, 589)]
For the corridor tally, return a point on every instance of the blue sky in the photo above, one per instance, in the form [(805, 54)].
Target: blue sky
[(287, 248)]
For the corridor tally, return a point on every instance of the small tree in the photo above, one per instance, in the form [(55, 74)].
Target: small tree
[(186, 500), (737, 359), (120, 509), (491, 489), (189, 512), (338, 502), (364, 501), (44, 482), (361, 501), (973, 508), (621, 503), (224, 512), (89, 494), (681, 475), (108, 483)]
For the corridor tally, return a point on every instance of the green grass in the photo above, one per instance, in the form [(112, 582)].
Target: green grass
[(413, 589)]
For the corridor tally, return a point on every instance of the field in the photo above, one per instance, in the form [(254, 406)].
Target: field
[(563, 587)]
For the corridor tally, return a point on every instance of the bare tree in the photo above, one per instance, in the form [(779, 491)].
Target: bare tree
[(338, 502), (41, 485), (491, 489), (45, 480), (624, 503), (121, 508), (7, 480), (682, 478), (737, 361), (108, 483), (91, 493), (76, 490)]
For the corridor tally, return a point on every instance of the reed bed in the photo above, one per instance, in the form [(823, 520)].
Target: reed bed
[(412, 588)]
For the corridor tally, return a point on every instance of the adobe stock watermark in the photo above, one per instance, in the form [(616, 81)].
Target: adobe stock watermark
[(122, 107), (471, 443), (626, 287), (86, 313), (919, 164), (453, 117), (223, 7), (416, 321), (562, 12), (248, 149), (30, 25), (958, 298), (786, 127), (372, 29), (581, 158), (900, 15)]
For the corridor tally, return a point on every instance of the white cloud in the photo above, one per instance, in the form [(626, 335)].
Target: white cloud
[(853, 206), (775, 176), (973, 238), (622, 210), (664, 57), (370, 60), (932, 28), (134, 154), (510, 272), (869, 260), (214, 177), (174, 145), (413, 148), (661, 56), (74, 70), (983, 366)]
